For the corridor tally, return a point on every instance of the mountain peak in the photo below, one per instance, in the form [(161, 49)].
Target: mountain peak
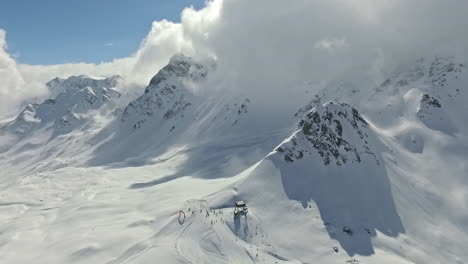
[(71, 96), (334, 130), (167, 92), (179, 66), (180, 58)]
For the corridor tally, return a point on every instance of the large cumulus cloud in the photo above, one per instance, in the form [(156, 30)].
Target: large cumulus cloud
[(276, 45), (10, 78), (268, 48)]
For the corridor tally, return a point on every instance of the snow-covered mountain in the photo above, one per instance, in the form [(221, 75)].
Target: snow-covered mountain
[(331, 169), (322, 130), (356, 174), (75, 97), (44, 131), (173, 113), (75, 83), (167, 94)]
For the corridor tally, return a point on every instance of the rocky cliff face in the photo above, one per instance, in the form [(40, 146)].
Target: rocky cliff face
[(335, 130)]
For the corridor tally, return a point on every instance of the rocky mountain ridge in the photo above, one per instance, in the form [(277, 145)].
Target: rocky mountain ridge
[(335, 130)]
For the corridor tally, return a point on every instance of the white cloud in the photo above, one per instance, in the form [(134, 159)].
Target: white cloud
[(11, 79), (331, 44), (268, 47)]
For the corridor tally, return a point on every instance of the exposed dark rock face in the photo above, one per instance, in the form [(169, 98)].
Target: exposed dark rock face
[(432, 113), (428, 100), (335, 130), (428, 108)]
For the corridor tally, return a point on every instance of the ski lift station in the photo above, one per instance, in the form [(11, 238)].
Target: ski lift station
[(240, 208)]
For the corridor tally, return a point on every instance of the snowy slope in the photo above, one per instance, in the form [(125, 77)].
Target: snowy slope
[(212, 127), (345, 184), (44, 131), (330, 176), (364, 174)]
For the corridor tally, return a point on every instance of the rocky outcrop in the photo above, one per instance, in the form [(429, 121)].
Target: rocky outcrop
[(433, 115), (335, 130)]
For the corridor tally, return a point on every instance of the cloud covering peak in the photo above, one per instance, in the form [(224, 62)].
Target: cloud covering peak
[(269, 47)]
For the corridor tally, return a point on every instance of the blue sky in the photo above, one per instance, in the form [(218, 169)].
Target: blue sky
[(61, 31)]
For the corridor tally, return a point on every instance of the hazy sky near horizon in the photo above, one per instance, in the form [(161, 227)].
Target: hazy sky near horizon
[(92, 31)]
